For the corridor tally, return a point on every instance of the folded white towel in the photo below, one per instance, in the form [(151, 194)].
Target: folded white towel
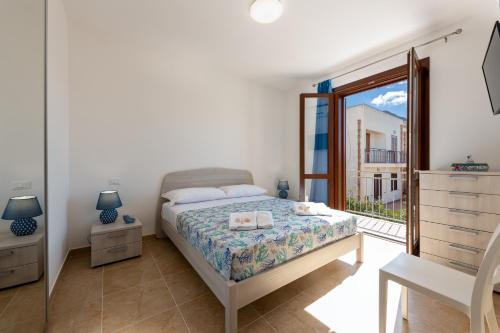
[(243, 221), (312, 209), (265, 220)]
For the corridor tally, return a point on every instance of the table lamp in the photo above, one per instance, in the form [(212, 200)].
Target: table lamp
[(283, 189), (108, 202), (22, 210)]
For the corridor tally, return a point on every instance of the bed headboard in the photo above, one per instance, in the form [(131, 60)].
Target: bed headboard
[(205, 177)]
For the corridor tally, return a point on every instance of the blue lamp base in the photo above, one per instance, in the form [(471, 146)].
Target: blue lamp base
[(283, 194), (23, 226), (108, 216)]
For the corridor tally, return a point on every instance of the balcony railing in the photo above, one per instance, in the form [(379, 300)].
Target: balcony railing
[(384, 156)]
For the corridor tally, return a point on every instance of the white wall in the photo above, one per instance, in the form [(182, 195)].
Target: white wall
[(137, 113), (461, 118), (57, 138)]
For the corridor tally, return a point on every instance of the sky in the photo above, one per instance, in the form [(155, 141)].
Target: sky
[(391, 98)]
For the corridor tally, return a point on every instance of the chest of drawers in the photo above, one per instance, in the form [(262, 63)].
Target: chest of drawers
[(458, 213)]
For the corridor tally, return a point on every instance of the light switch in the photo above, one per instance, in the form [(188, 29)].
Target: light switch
[(18, 185), (114, 182)]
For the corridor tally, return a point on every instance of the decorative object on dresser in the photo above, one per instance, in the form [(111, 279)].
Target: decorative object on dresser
[(116, 241), (283, 188), (128, 219), (470, 165), (108, 202), (21, 259), (22, 210), (458, 213)]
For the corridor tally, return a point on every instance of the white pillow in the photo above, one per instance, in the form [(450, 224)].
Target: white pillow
[(193, 194), (244, 190)]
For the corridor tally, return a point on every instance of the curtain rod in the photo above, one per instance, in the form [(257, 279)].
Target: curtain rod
[(445, 37)]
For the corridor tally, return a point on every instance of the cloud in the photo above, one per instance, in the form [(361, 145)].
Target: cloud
[(391, 98)]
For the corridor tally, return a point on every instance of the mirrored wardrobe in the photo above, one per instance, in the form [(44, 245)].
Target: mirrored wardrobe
[(22, 164)]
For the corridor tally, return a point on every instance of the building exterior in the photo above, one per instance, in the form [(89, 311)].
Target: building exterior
[(375, 156)]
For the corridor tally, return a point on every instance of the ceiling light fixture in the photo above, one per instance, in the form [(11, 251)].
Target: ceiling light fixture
[(266, 11)]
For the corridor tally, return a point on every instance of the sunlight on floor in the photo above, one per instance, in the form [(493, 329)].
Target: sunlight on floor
[(340, 308)]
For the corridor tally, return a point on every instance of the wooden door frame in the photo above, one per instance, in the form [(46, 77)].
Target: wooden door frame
[(374, 81)]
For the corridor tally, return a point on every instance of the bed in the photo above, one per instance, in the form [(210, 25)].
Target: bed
[(241, 267)]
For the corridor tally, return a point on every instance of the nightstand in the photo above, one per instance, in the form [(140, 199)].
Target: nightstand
[(115, 241), (21, 259)]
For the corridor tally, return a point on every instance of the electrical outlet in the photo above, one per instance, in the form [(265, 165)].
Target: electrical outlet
[(114, 182), (18, 185)]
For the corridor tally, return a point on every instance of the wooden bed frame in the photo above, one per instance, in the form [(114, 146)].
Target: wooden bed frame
[(235, 295)]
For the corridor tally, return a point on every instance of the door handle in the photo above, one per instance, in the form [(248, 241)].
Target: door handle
[(6, 273), (464, 266), (462, 211), (463, 248), (465, 230), (462, 194), (117, 234), (470, 177), (7, 253), (118, 249)]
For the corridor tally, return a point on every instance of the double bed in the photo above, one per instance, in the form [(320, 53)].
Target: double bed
[(243, 266)]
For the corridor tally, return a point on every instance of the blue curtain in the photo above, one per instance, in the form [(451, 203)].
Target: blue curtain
[(319, 188)]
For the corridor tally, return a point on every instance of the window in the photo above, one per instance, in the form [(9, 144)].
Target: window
[(394, 181)]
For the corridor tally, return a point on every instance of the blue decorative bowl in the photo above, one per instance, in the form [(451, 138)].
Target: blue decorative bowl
[(128, 219)]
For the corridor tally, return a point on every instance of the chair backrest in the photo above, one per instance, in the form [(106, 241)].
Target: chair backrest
[(485, 280)]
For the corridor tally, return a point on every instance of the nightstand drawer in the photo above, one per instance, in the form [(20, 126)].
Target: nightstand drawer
[(464, 201), (457, 182), (462, 218), (471, 270), (455, 234), (114, 238), (453, 251), (115, 253), (19, 275), (18, 256)]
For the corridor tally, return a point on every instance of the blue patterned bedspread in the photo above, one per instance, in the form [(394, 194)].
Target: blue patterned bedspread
[(238, 255)]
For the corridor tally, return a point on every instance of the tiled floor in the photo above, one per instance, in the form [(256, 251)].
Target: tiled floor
[(159, 292)]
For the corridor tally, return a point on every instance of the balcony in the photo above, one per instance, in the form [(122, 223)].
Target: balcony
[(384, 156)]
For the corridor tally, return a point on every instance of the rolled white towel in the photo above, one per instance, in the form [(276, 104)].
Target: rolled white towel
[(243, 221), (312, 209), (265, 220)]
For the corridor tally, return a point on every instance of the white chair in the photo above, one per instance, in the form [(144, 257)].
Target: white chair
[(468, 294)]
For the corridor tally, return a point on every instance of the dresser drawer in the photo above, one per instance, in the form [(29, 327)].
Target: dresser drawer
[(485, 203), (457, 182), (114, 238), (462, 218), (471, 270), (455, 234), (19, 275), (115, 253), (468, 255), (19, 256)]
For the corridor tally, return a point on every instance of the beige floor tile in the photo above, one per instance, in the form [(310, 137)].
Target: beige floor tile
[(276, 298), (160, 247), (259, 326), (204, 314), (246, 315), (186, 286), (78, 265), (130, 274), (172, 264), (84, 251), (84, 317), (28, 304), (32, 325), (292, 317), (6, 296), (134, 304), (166, 322), (77, 289)]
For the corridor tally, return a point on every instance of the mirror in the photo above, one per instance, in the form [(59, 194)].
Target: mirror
[(22, 159)]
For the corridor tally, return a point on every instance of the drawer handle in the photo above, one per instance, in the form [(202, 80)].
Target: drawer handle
[(462, 211), (463, 194), (118, 249), (117, 235), (7, 253), (7, 273), (468, 231), (463, 248), (472, 177), (459, 264)]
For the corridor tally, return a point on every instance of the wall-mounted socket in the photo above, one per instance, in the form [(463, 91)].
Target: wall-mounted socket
[(114, 181), (18, 185)]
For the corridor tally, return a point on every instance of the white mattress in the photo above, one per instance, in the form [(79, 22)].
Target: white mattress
[(169, 213)]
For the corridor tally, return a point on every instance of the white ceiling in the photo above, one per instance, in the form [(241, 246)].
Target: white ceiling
[(310, 38)]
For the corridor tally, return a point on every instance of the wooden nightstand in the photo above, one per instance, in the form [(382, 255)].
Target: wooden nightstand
[(21, 259), (115, 241)]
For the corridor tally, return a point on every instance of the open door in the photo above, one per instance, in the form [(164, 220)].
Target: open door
[(415, 161), (317, 148)]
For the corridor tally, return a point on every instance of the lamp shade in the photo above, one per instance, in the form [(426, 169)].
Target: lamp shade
[(108, 200), (22, 207), (283, 185), (266, 11)]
